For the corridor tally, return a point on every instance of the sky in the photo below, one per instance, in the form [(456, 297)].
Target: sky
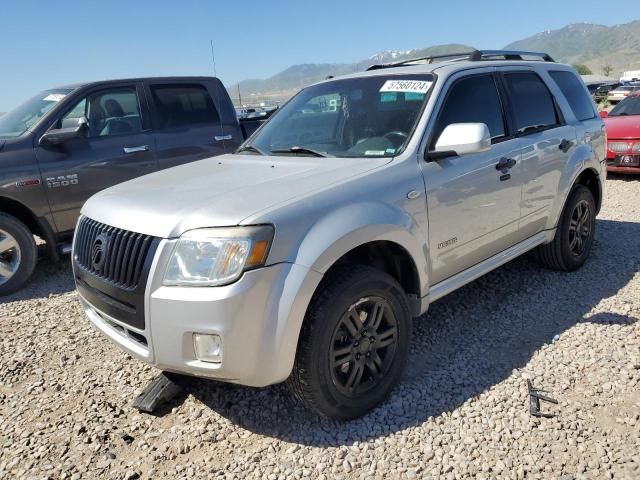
[(47, 44)]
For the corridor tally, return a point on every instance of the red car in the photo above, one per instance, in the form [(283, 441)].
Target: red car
[(623, 136)]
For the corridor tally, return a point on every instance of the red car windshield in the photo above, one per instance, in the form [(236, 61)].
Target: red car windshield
[(629, 106)]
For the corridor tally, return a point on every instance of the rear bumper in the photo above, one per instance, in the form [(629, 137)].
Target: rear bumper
[(258, 319)]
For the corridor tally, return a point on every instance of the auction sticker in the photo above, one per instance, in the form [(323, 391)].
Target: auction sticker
[(411, 86)]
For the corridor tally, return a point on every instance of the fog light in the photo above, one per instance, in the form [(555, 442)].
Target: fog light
[(208, 347)]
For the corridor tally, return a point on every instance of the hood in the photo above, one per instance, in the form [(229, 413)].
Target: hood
[(624, 127), (218, 191)]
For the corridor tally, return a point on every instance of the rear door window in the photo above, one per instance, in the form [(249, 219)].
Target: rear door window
[(183, 105), (532, 105), (573, 90)]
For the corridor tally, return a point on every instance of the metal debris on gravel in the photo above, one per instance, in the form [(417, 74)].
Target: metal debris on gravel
[(461, 410)]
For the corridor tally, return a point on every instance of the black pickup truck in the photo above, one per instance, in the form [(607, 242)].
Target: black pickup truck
[(65, 144)]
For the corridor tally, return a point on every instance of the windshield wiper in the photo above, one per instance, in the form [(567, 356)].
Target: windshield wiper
[(296, 149), (250, 148)]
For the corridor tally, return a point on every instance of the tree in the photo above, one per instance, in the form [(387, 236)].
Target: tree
[(606, 70), (582, 69)]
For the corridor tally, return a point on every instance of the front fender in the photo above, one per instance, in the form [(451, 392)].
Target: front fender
[(349, 227)]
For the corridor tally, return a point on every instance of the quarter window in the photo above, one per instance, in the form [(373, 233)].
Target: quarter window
[(183, 105), (531, 102), (573, 90), (473, 100)]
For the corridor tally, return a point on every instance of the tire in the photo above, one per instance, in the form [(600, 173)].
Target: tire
[(370, 350), (573, 239), (18, 254)]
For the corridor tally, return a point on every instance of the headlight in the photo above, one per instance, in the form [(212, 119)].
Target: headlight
[(636, 148), (217, 256)]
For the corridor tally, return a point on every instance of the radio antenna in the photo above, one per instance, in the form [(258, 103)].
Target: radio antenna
[(222, 137), (213, 59)]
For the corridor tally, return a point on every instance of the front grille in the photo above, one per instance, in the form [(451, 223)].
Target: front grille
[(618, 147), (112, 254)]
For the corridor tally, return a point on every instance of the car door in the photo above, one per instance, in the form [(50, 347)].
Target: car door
[(188, 123), (548, 142), (473, 205), (118, 146)]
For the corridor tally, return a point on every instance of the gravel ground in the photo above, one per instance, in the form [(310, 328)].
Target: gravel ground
[(461, 410)]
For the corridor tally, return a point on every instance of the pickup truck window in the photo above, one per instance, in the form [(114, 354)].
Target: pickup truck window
[(183, 105), (20, 119), (573, 90), (364, 117), (473, 100), (531, 102), (109, 112)]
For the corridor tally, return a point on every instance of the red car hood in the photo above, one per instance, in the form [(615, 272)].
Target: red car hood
[(625, 127)]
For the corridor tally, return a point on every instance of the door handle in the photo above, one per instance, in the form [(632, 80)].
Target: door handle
[(565, 145), (220, 138), (142, 148), (505, 164)]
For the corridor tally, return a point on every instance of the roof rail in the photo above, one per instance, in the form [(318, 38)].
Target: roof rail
[(427, 59), (509, 55), (473, 56)]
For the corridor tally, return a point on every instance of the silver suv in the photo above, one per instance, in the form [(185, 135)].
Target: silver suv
[(305, 256)]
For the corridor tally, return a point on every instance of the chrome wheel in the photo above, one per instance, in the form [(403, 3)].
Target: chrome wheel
[(9, 256), (363, 346), (579, 228)]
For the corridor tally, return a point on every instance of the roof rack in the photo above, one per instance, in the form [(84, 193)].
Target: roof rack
[(472, 56)]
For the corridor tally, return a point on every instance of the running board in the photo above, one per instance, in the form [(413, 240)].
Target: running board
[(447, 286), (64, 249)]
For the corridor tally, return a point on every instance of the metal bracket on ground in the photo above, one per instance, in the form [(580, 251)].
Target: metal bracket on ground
[(159, 391), (535, 395)]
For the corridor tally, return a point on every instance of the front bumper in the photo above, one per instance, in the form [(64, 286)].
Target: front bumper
[(615, 166), (258, 318)]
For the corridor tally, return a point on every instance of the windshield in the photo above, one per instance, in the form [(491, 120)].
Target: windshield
[(629, 106), (360, 117), (20, 119)]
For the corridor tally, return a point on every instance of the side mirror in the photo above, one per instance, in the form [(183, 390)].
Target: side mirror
[(462, 139), (604, 114), (59, 136)]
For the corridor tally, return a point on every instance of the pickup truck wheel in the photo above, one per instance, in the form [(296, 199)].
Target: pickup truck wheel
[(354, 343), (573, 239), (18, 254)]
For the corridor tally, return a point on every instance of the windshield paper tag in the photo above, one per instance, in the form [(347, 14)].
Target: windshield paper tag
[(411, 86), (54, 97)]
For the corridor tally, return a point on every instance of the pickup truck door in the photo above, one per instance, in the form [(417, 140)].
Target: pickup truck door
[(118, 146), (192, 121), (473, 203)]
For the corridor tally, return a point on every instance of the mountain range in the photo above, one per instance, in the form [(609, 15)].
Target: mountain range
[(596, 46)]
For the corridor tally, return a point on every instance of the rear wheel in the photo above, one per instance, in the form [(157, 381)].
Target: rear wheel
[(354, 343), (18, 254), (573, 239)]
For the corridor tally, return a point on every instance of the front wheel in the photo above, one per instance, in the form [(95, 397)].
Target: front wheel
[(573, 239), (354, 343), (18, 254)]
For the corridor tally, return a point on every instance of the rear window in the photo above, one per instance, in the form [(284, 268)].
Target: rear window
[(573, 90), (531, 102), (183, 105)]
